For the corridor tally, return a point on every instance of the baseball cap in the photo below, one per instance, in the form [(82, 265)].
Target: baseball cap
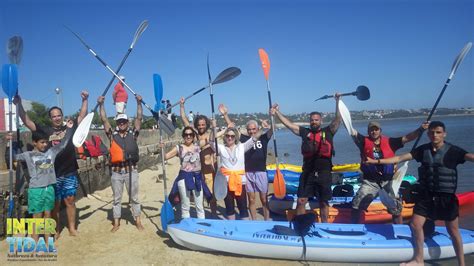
[(121, 116), (374, 124)]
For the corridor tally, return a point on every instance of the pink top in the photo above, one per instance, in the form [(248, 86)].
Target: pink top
[(120, 93)]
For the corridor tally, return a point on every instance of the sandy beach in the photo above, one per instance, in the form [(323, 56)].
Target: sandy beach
[(96, 245)]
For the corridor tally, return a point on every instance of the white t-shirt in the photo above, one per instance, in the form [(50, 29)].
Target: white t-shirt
[(234, 159)]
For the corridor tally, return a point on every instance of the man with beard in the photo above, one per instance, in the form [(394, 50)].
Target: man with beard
[(379, 177), (208, 162), (317, 148), (65, 164)]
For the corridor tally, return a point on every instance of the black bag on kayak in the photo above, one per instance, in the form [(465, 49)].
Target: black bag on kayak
[(343, 191)]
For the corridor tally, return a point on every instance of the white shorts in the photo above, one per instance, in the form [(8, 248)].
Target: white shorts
[(120, 107)]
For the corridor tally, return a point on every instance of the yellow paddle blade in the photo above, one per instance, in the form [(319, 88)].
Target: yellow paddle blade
[(279, 186)]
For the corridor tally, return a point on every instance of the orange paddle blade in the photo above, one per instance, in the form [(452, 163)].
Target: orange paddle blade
[(279, 186), (265, 62)]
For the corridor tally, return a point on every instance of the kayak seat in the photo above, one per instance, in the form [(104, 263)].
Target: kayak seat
[(283, 230)]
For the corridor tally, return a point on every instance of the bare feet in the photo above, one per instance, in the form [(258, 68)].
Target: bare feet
[(115, 228), (412, 262), (73, 232), (139, 224)]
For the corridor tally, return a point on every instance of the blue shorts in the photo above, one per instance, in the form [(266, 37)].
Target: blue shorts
[(66, 186)]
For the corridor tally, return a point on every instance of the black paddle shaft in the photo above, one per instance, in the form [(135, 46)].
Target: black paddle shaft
[(273, 123), (214, 128), (432, 110)]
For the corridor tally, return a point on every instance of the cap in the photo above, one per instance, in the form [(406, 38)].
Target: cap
[(122, 77), (374, 124), (121, 116)]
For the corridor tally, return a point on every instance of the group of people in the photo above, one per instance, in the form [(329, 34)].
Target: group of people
[(241, 160)]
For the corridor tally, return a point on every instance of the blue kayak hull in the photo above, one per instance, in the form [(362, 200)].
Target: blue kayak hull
[(327, 242)]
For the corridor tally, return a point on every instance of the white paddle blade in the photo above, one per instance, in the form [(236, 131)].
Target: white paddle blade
[(220, 186), (82, 130), (396, 183), (346, 118), (460, 58)]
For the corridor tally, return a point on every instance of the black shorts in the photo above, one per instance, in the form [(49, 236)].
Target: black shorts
[(315, 184), (437, 206)]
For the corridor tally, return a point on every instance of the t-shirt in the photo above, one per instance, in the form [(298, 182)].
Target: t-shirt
[(234, 159), (121, 95), (41, 164), (256, 157), (66, 162), (454, 156), (317, 163)]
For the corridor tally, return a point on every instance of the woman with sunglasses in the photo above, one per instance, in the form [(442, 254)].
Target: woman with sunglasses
[(232, 166), (189, 179)]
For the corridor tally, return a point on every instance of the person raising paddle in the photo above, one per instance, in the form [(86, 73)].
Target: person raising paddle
[(317, 148), (208, 162), (65, 165), (255, 164), (124, 156), (379, 177), (438, 178)]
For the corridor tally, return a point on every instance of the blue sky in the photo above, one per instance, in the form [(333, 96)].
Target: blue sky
[(401, 50)]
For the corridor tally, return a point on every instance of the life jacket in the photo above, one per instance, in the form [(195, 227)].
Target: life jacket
[(123, 149), (94, 146), (316, 145), (434, 174), (385, 171)]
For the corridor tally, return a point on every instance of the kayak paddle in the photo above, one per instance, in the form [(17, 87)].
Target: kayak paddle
[(83, 129), (398, 177), (362, 93), (167, 213), (346, 117), (279, 186)]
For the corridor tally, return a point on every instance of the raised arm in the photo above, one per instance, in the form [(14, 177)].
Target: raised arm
[(83, 111), (391, 160), (182, 112), (23, 115), (225, 112), (172, 153), (336, 122), (265, 125), (103, 115), (138, 119), (413, 135), (275, 110)]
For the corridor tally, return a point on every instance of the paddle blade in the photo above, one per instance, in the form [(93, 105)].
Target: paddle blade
[(460, 58), (158, 86), (15, 49), (220, 186), (265, 62), (346, 118), (82, 130), (139, 32), (166, 125), (227, 74), (167, 215), (10, 80), (362, 93), (279, 186), (396, 183)]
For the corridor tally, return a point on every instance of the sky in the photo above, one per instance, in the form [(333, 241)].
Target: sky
[(401, 50)]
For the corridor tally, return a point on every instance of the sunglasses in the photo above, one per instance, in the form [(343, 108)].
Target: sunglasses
[(188, 135), (230, 136), (122, 121)]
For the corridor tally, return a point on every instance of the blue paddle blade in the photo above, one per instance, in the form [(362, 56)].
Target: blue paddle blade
[(158, 85), (10, 80), (167, 215)]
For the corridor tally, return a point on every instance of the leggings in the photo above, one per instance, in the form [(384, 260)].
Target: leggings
[(241, 203)]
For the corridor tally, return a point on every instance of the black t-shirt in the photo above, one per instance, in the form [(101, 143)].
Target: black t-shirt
[(66, 161), (454, 156), (317, 163), (256, 157)]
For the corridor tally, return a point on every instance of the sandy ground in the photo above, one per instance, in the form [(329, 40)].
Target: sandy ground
[(96, 245)]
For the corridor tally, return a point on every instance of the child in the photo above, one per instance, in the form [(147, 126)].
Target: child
[(40, 164)]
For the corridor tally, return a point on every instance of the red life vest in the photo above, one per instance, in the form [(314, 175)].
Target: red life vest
[(385, 148), (383, 172), (316, 145)]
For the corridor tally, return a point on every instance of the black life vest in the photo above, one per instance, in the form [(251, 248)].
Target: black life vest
[(316, 145), (385, 171), (434, 174), (123, 149)]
